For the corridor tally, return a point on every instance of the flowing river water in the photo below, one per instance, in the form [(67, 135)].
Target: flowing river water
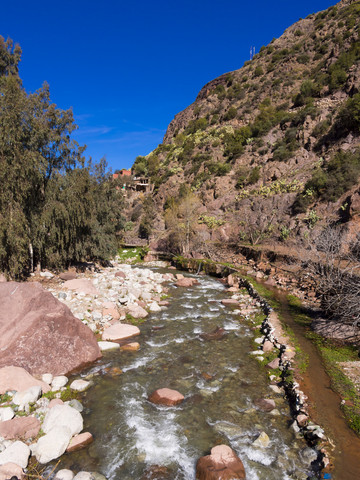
[(220, 381)]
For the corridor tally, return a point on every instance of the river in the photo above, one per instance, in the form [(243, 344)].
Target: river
[(220, 380)]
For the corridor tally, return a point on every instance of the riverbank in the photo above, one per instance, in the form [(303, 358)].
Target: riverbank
[(341, 363)]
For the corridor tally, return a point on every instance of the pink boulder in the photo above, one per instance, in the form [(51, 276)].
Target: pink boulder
[(81, 285), (131, 347), (20, 427), (165, 396), (80, 441), (10, 470), (16, 378), (120, 331), (265, 404), (221, 464), (40, 333)]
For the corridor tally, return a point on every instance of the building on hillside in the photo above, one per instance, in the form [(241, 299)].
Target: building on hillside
[(134, 183)]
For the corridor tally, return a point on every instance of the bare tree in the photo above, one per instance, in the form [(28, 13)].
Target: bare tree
[(337, 270)]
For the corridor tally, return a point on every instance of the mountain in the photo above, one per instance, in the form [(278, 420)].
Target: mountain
[(269, 152)]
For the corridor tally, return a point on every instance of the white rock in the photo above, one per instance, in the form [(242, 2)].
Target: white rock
[(6, 413), (75, 404), (83, 476), (80, 385), (58, 382), (64, 474), (154, 307), (65, 416), (257, 352), (27, 396), (262, 441), (53, 444), (105, 346), (47, 378), (96, 315), (17, 452), (46, 274), (276, 389)]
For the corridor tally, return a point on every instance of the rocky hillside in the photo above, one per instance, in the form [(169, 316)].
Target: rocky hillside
[(270, 150)]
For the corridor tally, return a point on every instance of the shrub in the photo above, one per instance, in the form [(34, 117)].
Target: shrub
[(258, 71), (303, 59), (234, 142), (230, 114), (349, 116), (195, 125)]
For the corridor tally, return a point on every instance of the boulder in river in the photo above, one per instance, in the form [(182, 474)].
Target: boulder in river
[(40, 333), (80, 441), (166, 396), (221, 464), (265, 404), (187, 282), (217, 334)]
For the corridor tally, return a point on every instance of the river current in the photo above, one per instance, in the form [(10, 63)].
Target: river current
[(220, 380)]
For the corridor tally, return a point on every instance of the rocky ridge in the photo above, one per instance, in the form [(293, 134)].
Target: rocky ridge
[(256, 141)]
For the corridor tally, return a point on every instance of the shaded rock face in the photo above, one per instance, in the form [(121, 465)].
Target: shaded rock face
[(40, 334), (221, 464), (166, 396)]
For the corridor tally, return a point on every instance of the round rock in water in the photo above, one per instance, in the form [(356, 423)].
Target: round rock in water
[(166, 396), (221, 464), (64, 474)]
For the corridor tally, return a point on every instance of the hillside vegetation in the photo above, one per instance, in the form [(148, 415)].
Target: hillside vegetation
[(270, 151)]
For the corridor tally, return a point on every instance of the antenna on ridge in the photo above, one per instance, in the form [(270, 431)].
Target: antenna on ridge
[(252, 52)]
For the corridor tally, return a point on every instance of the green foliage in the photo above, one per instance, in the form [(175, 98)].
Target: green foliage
[(195, 125), (234, 142), (330, 182), (308, 90), (349, 116), (268, 117), (303, 58), (247, 176), (337, 75), (284, 149), (53, 210), (210, 221), (320, 128), (284, 233), (258, 71), (132, 255), (230, 114), (217, 168)]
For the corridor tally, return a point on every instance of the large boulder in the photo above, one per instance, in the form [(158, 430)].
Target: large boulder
[(64, 416), (40, 333), (222, 463), (52, 445)]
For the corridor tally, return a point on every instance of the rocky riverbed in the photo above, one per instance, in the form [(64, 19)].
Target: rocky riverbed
[(43, 419)]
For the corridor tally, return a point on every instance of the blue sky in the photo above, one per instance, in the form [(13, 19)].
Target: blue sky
[(126, 68)]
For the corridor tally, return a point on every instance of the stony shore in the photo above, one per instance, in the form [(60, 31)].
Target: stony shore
[(36, 420)]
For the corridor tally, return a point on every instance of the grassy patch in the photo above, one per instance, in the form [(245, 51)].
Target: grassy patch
[(5, 398), (134, 321), (132, 255), (333, 354)]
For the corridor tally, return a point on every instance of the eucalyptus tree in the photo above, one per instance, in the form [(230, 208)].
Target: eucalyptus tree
[(54, 210)]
